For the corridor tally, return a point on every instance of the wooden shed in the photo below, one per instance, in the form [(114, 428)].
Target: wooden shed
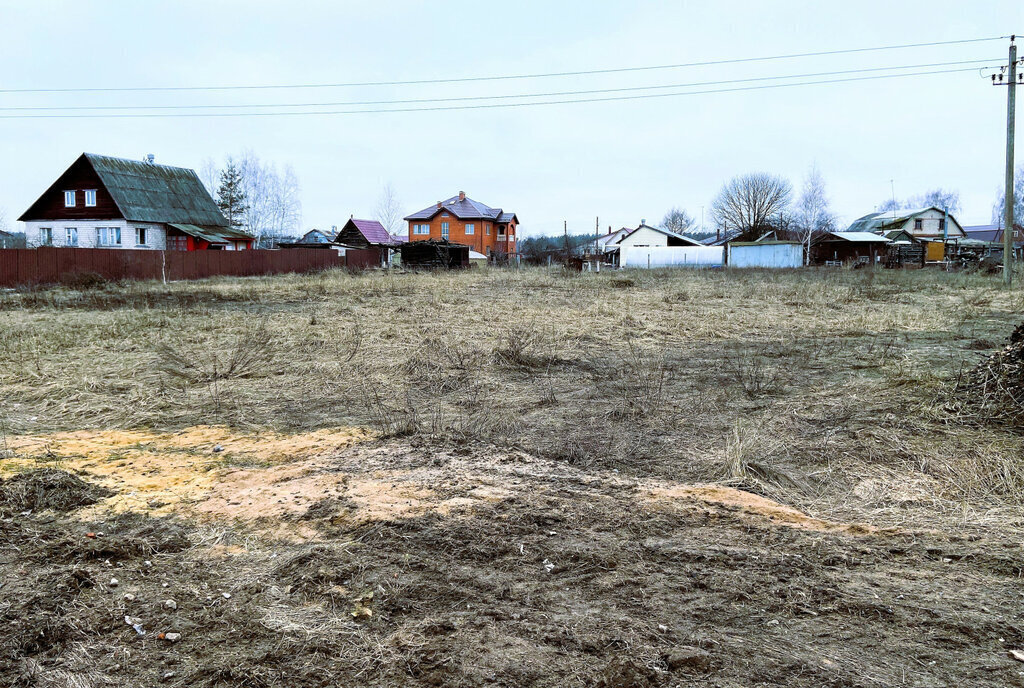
[(434, 255), (836, 248)]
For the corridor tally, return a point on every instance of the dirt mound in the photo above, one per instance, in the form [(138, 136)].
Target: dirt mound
[(994, 389), (47, 488)]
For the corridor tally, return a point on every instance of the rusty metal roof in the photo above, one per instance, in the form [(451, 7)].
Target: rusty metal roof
[(147, 192)]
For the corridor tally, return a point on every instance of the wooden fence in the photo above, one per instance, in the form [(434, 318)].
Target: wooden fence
[(22, 266)]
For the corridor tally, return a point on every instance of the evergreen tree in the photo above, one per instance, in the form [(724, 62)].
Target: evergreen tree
[(231, 197)]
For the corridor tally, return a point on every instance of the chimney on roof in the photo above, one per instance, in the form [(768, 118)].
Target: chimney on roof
[(150, 158), (351, 217), (439, 204), (462, 195)]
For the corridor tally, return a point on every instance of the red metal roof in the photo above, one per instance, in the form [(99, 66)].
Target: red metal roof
[(374, 232)]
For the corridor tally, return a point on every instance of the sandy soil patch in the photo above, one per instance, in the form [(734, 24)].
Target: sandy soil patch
[(748, 504), (163, 472)]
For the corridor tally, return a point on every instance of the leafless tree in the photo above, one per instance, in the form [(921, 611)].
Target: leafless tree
[(999, 207), (273, 207), (389, 210), (936, 198), (813, 211), (751, 202), (209, 175), (678, 220)]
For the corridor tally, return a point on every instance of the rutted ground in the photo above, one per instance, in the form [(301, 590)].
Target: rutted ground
[(349, 560)]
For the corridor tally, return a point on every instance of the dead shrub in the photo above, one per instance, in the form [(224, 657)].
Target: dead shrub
[(754, 369), (635, 383), (251, 351), (85, 281), (442, 366), (518, 348)]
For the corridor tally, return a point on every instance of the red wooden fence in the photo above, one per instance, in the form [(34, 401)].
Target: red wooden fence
[(23, 266)]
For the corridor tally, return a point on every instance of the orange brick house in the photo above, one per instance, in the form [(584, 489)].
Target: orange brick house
[(462, 220)]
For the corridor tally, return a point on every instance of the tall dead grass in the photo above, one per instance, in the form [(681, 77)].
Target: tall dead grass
[(654, 376)]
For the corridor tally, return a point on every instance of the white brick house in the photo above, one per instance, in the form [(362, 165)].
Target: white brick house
[(105, 202)]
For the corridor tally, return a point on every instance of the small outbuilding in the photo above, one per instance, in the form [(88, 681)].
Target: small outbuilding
[(765, 254), (434, 255), (836, 248)]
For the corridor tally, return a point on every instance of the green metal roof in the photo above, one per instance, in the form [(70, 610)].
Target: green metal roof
[(215, 235), (147, 192)]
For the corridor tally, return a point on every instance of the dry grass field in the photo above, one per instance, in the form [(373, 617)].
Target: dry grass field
[(510, 478)]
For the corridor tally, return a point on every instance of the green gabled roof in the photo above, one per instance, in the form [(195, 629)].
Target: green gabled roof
[(147, 192)]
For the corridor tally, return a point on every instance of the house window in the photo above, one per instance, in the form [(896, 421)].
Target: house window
[(918, 224), (140, 236), (487, 228), (421, 229), (108, 236), (46, 236), (177, 243), (470, 228), (69, 199), (90, 198), (444, 230), (942, 225), (71, 236)]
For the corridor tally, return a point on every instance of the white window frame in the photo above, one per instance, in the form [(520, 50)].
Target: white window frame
[(487, 229), (90, 198), (421, 229), (142, 236), (104, 234), (71, 196), (470, 228), (46, 236), (71, 236), (444, 230)]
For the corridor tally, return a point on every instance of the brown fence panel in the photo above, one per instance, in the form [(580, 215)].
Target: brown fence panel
[(8, 267), (28, 272), (215, 263), (67, 262), (175, 265), (362, 258), (42, 265), (46, 264)]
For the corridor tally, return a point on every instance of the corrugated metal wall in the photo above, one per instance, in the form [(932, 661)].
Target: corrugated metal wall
[(671, 256), (766, 256), (50, 265)]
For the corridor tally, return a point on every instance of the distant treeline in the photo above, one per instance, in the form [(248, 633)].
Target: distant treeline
[(539, 247)]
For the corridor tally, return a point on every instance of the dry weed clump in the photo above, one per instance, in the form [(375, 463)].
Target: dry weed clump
[(247, 356)]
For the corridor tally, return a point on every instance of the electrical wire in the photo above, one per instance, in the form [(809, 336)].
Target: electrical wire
[(483, 106), (617, 70), (549, 94)]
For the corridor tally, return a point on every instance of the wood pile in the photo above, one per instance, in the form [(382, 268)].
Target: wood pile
[(994, 389)]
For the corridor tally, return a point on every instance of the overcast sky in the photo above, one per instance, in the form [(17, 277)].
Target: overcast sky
[(619, 161)]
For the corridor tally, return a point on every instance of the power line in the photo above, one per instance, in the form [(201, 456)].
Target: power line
[(484, 106), (549, 94), (411, 82)]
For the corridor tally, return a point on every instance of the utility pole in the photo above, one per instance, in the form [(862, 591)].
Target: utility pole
[(1011, 115)]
